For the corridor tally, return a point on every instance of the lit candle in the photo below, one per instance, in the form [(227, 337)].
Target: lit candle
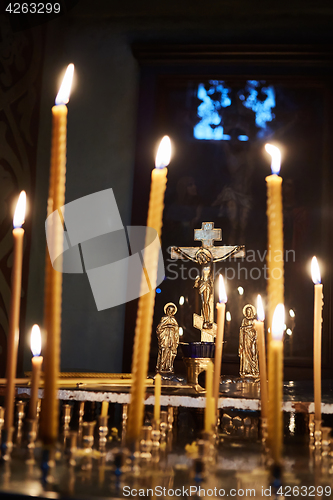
[(53, 279), (14, 318), (275, 397), (210, 403), (157, 405), (145, 312), (275, 285), (317, 332), (219, 338), (36, 362), (259, 326)]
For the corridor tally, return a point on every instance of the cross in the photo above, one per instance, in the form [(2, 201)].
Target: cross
[(205, 255)]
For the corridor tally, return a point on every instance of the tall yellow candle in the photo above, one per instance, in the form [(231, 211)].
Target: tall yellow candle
[(210, 403), (14, 318), (317, 334), (275, 285), (275, 398), (157, 392), (219, 339), (36, 362), (259, 326), (53, 278), (105, 408), (145, 312)]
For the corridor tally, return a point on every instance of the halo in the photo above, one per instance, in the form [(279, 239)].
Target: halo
[(254, 312), (170, 304)]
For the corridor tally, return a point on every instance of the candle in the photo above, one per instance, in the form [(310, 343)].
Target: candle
[(36, 362), (317, 333), (53, 279), (259, 326), (219, 338), (14, 318), (275, 414), (157, 405), (105, 408), (210, 403), (145, 312), (275, 285)]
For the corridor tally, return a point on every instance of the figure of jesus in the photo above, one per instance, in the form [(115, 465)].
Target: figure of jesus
[(167, 332)]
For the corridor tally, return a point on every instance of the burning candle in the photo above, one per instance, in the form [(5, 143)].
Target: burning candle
[(275, 286), (275, 397), (53, 279), (210, 403), (157, 393), (145, 312), (219, 338), (14, 318), (259, 326), (317, 333), (36, 362)]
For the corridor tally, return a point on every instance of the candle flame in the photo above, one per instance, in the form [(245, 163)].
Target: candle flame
[(65, 87), (163, 155), (222, 292), (260, 309), (36, 341), (276, 157), (19, 215), (278, 322), (315, 271)]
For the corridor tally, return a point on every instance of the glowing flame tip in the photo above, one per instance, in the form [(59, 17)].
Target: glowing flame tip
[(163, 155), (276, 158), (222, 291), (260, 309), (19, 215), (315, 271), (36, 341), (278, 322), (65, 87)]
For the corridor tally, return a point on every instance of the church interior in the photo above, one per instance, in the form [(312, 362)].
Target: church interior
[(173, 162)]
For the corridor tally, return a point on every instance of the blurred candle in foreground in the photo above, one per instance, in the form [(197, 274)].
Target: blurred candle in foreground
[(259, 326), (275, 397), (220, 307), (53, 278), (14, 317), (144, 319), (317, 334), (36, 362), (210, 403), (157, 393)]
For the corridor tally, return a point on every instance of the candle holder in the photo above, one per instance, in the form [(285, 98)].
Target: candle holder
[(66, 418), (103, 432), (80, 413), (164, 425), (170, 418), (31, 429), (72, 448), (124, 424), (88, 443), (317, 434), (19, 416), (207, 449), (48, 464), (311, 430), (325, 441), (146, 444), (7, 444)]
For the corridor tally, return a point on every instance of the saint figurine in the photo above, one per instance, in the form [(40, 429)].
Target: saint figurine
[(248, 348), (167, 333)]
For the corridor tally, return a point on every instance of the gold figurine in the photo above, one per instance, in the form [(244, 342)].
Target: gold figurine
[(248, 348), (167, 333)]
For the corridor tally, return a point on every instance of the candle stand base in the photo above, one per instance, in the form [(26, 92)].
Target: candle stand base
[(7, 444)]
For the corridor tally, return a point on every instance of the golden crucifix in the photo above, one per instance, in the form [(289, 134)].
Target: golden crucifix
[(205, 256)]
